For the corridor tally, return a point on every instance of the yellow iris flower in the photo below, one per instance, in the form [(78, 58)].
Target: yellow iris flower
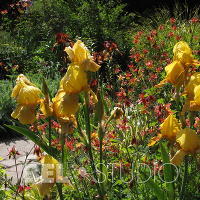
[(24, 113), (175, 74), (75, 80), (65, 104), (43, 187), (177, 70), (189, 143), (192, 91), (78, 53), (168, 129), (27, 97), (80, 56), (183, 53)]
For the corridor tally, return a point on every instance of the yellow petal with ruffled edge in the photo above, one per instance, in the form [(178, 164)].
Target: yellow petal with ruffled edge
[(175, 74), (170, 127), (25, 114), (197, 95), (193, 82), (17, 89), (188, 140), (154, 140), (78, 53), (178, 157), (183, 53), (70, 53), (81, 52), (65, 104), (26, 94), (90, 65), (23, 78), (75, 80), (190, 105)]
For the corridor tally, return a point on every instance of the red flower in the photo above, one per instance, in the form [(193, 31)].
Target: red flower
[(178, 37), (159, 69), (139, 33), (93, 83), (153, 33), (117, 70), (174, 27), (13, 152), (62, 38), (150, 38), (149, 63), (22, 188), (55, 124), (135, 41), (145, 51), (153, 77), (136, 56), (161, 27), (128, 75), (172, 20), (109, 45), (3, 12), (170, 34), (70, 144), (194, 20)]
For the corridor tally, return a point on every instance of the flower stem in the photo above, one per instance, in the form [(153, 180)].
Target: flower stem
[(184, 181), (89, 146)]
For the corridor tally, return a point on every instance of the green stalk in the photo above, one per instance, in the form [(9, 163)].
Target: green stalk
[(184, 182), (88, 132), (101, 134), (59, 188), (60, 185), (49, 131)]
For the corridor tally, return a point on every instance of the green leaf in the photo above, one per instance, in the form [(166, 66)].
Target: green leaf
[(32, 136), (156, 189), (168, 173)]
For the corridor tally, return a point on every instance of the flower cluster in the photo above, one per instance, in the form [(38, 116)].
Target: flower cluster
[(65, 104), (178, 75)]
